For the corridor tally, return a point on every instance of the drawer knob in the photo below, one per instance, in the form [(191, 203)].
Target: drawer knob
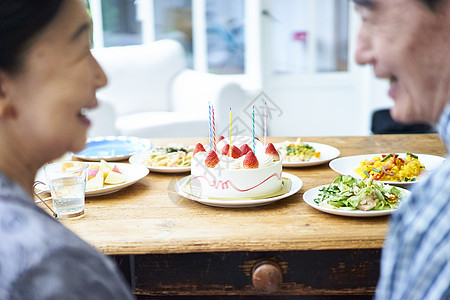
[(266, 277)]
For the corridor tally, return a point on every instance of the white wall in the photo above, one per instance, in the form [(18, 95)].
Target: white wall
[(332, 112), (329, 107)]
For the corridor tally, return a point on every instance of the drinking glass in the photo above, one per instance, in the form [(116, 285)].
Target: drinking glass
[(67, 183)]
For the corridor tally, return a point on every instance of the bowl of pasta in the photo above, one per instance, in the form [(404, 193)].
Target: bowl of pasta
[(170, 158)]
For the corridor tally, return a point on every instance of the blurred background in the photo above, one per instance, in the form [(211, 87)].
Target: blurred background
[(298, 53)]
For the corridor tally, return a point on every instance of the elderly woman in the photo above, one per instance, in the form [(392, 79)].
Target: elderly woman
[(47, 78), (408, 43)]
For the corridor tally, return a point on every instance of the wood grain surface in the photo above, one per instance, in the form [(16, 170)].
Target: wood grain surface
[(149, 217)]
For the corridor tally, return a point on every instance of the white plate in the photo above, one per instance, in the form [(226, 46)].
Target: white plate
[(347, 165), (137, 159), (296, 185), (133, 174), (327, 153), (112, 148), (313, 193)]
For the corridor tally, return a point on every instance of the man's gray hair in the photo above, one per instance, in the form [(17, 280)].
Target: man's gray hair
[(431, 4)]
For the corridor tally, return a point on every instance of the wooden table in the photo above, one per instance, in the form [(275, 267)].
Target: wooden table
[(169, 245)]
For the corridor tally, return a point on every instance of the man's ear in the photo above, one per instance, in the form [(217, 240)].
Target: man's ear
[(6, 104)]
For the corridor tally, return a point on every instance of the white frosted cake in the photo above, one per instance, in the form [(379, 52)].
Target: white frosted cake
[(216, 174)]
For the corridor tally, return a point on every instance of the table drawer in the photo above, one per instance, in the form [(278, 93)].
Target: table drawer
[(318, 272)]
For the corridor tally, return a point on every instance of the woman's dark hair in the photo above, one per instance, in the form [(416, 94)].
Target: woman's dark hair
[(20, 22)]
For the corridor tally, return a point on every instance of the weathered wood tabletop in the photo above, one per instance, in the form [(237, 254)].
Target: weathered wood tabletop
[(150, 218)]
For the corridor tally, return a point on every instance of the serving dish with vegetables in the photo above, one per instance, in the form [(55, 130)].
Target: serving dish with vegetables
[(392, 168), (350, 196), (300, 154)]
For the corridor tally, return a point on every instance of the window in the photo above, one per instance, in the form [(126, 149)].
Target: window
[(115, 23), (173, 20), (223, 37)]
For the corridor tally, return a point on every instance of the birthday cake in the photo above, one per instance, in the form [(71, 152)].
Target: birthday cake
[(248, 170)]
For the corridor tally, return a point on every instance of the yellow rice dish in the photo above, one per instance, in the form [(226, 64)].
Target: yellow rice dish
[(390, 167)]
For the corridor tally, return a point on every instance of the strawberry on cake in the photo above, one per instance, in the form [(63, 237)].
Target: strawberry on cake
[(239, 173)]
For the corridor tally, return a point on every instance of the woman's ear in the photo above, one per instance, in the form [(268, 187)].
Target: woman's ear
[(6, 104)]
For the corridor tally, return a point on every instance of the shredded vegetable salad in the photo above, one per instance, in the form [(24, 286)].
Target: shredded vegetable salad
[(349, 193), (390, 167), (169, 156), (297, 151)]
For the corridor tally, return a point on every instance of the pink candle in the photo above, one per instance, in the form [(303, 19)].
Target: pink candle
[(253, 127)]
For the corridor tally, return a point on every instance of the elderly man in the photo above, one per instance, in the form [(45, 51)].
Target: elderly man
[(408, 43)]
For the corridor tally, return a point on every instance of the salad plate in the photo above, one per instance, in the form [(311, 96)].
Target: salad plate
[(327, 153), (138, 159), (112, 148), (313, 193), (347, 165), (296, 185), (133, 173)]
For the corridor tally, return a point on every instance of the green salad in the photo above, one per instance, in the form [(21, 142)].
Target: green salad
[(349, 193)]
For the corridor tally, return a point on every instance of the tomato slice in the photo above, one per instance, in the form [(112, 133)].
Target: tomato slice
[(378, 176)]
